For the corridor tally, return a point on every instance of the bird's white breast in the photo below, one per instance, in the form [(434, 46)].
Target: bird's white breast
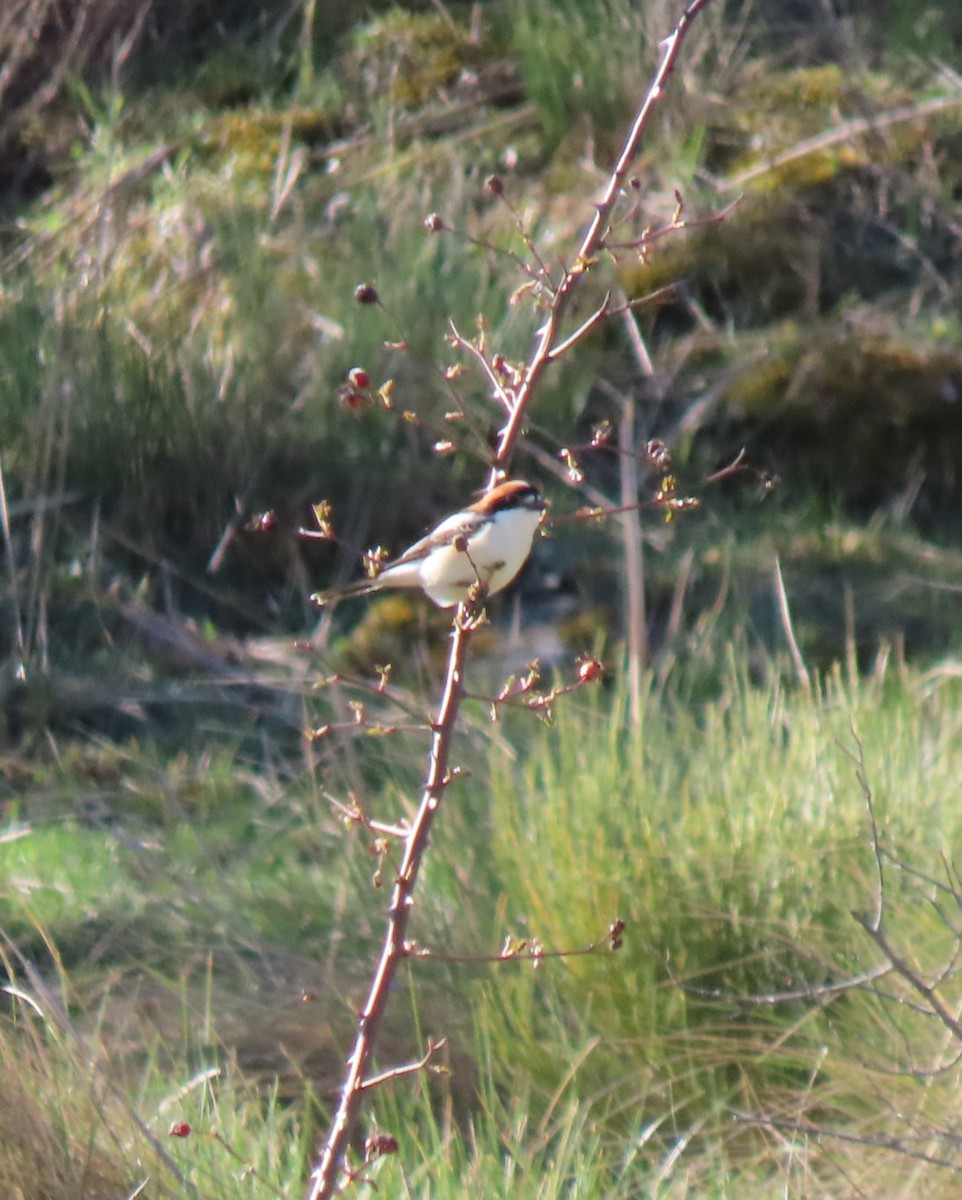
[(494, 555)]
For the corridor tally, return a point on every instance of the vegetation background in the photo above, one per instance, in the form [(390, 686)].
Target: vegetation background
[(190, 194)]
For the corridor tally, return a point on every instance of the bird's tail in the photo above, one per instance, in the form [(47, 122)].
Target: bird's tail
[(332, 595)]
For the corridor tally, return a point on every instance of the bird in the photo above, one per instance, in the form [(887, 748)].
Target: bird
[(484, 545)]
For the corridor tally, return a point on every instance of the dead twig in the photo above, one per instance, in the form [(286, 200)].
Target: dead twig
[(844, 132), (785, 612)]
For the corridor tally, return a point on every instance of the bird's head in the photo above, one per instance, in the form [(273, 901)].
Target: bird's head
[(511, 494)]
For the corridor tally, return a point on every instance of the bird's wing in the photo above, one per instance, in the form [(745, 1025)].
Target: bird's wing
[(460, 524)]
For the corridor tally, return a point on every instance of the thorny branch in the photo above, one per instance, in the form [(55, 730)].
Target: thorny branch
[(515, 397), (326, 1175), (594, 240)]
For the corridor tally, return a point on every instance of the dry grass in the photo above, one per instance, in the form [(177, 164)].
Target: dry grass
[(42, 42), (59, 1139)]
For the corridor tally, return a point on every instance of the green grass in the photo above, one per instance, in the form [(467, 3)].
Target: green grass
[(172, 341), (734, 842), (731, 835)]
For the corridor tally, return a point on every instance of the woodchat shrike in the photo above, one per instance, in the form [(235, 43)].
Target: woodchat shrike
[(484, 545)]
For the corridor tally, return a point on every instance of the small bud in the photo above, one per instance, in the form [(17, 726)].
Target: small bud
[(494, 185), (666, 489), (575, 473), (180, 1129), (434, 222), (658, 454), (589, 669), (372, 560), (366, 293), (601, 434), (323, 514), (357, 377), (444, 447)]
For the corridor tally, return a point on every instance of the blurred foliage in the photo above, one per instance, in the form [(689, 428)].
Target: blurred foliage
[(177, 319)]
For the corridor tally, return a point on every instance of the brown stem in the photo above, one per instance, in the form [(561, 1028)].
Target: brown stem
[(325, 1177), (593, 242), (633, 547), (412, 1068)]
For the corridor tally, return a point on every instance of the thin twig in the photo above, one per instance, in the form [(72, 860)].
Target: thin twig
[(463, 343), (786, 616), (632, 543), (12, 569), (926, 990), (598, 315), (408, 1069), (874, 926), (356, 815), (524, 951), (249, 1171), (330, 1166), (861, 774), (896, 1145), (832, 137), (325, 1177), (592, 243), (655, 235), (817, 991)]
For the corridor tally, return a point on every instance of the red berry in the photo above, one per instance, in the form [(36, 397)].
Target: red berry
[(589, 669), (376, 1144)]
